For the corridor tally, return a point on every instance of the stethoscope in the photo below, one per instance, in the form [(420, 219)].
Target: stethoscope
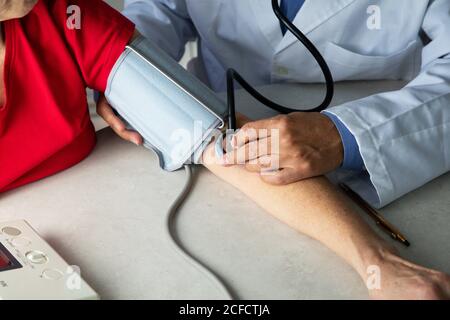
[(233, 75)]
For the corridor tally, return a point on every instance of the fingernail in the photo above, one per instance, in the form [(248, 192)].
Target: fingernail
[(233, 142)]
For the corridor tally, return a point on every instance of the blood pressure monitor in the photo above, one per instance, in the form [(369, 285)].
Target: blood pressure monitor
[(31, 269)]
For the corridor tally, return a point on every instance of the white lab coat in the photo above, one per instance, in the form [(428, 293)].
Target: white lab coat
[(404, 135)]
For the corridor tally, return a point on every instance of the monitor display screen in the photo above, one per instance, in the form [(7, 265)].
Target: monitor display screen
[(7, 261), (4, 261)]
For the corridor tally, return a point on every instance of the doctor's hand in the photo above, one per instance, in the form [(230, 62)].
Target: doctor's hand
[(105, 111), (308, 145)]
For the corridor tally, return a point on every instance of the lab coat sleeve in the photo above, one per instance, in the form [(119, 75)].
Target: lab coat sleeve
[(404, 136), (165, 22)]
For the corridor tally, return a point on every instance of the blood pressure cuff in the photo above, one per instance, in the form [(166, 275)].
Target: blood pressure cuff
[(175, 113)]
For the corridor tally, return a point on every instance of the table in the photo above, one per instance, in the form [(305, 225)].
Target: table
[(106, 216)]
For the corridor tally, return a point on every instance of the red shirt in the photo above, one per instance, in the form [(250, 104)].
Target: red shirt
[(44, 124)]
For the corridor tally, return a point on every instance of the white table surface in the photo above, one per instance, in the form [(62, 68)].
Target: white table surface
[(106, 216)]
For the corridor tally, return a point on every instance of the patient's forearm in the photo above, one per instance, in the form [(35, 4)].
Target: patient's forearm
[(313, 207)]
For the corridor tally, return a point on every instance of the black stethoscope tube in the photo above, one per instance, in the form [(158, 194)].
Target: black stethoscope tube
[(233, 75)]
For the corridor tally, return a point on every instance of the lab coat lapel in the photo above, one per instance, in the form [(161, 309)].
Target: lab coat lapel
[(267, 21), (311, 15)]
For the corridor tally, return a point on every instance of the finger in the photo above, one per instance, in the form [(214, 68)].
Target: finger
[(263, 164), (129, 135), (249, 152), (282, 177), (106, 112), (242, 119), (252, 131)]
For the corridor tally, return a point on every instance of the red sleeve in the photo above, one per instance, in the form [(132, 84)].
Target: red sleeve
[(100, 39)]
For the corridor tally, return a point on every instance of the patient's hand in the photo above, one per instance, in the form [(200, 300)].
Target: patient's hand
[(105, 111)]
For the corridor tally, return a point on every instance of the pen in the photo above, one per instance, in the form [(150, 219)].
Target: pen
[(380, 221)]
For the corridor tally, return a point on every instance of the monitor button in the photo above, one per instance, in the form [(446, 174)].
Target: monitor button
[(11, 231), (21, 242), (52, 274), (37, 257)]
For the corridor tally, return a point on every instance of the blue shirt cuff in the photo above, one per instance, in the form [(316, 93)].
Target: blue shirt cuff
[(352, 156)]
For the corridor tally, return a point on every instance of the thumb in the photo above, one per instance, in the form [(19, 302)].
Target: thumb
[(281, 177)]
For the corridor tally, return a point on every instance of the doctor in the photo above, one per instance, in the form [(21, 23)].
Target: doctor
[(393, 142)]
